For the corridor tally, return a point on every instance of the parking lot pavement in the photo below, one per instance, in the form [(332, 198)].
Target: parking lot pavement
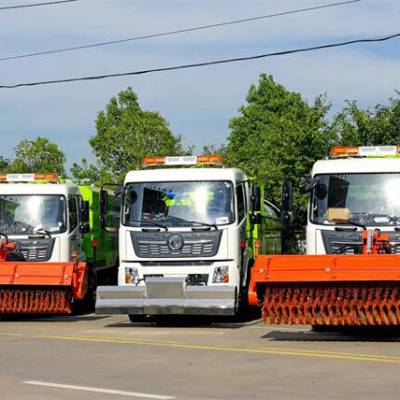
[(96, 357)]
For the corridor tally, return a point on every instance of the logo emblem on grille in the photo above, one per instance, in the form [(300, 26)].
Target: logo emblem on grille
[(175, 242)]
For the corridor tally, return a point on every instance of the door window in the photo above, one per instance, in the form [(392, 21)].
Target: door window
[(241, 205), (73, 213)]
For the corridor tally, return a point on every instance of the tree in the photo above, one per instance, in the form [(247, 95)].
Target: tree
[(85, 172), (4, 163), (357, 127), (210, 149), (39, 155), (278, 135), (90, 174), (125, 134)]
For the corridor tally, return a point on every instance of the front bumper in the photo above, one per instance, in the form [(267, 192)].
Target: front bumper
[(161, 296)]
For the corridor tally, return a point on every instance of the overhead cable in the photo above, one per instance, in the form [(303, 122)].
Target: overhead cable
[(175, 32), (203, 64), (47, 3)]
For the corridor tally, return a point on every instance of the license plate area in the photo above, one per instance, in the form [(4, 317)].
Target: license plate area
[(165, 288)]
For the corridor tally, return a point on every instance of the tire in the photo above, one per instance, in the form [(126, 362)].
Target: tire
[(245, 310), (137, 317)]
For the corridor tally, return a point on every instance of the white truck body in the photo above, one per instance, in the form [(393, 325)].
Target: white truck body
[(173, 270), (367, 189)]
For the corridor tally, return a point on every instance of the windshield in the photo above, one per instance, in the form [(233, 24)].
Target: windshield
[(178, 203), (28, 214), (366, 199)]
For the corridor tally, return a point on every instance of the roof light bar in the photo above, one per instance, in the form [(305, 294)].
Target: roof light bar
[(15, 178), (364, 151), (182, 160)]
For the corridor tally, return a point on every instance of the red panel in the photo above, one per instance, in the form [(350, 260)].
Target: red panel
[(37, 274), (326, 268)]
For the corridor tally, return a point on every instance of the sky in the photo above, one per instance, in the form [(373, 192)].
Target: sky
[(197, 103)]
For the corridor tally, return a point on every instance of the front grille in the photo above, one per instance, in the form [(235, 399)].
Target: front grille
[(177, 263), (396, 249), (36, 250), (343, 242), (35, 254), (161, 249), (343, 249), (195, 244)]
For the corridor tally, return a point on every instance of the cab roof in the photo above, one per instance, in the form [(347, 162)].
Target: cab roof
[(186, 174), (357, 165), (38, 188)]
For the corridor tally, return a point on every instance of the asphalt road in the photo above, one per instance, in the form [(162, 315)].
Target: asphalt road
[(110, 358)]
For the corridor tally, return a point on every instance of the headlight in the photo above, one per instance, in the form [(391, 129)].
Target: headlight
[(221, 274), (131, 276)]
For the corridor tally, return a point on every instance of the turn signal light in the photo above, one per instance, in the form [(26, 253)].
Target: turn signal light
[(182, 160), (37, 178), (364, 151)]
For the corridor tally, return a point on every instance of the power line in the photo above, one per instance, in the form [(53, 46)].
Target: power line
[(204, 64), (47, 3), (178, 31)]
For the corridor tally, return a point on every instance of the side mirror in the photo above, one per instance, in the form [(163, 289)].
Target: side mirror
[(103, 207), (304, 181), (255, 205), (287, 203), (255, 198), (311, 184), (85, 215), (314, 184), (287, 196), (85, 212), (119, 191), (255, 219)]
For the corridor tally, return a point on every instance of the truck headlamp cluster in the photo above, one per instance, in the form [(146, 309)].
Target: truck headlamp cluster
[(221, 274), (131, 276)]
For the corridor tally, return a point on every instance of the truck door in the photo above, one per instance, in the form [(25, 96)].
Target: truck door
[(242, 208)]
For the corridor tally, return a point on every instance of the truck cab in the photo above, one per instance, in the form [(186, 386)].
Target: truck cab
[(357, 188), (187, 239), (45, 218)]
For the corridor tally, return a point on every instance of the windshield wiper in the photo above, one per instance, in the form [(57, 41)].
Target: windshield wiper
[(150, 223), (41, 233), (202, 223), (215, 226), (356, 224), (371, 217), (391, 218)]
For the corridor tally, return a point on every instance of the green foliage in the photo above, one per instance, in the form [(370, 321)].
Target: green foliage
[(4, 163), (90, 174), (210, 149), (278, 135), (125, 134), (39, 155), (357, 127), (85, 173)]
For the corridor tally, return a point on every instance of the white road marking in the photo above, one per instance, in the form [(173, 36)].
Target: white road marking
[(100, 390)]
